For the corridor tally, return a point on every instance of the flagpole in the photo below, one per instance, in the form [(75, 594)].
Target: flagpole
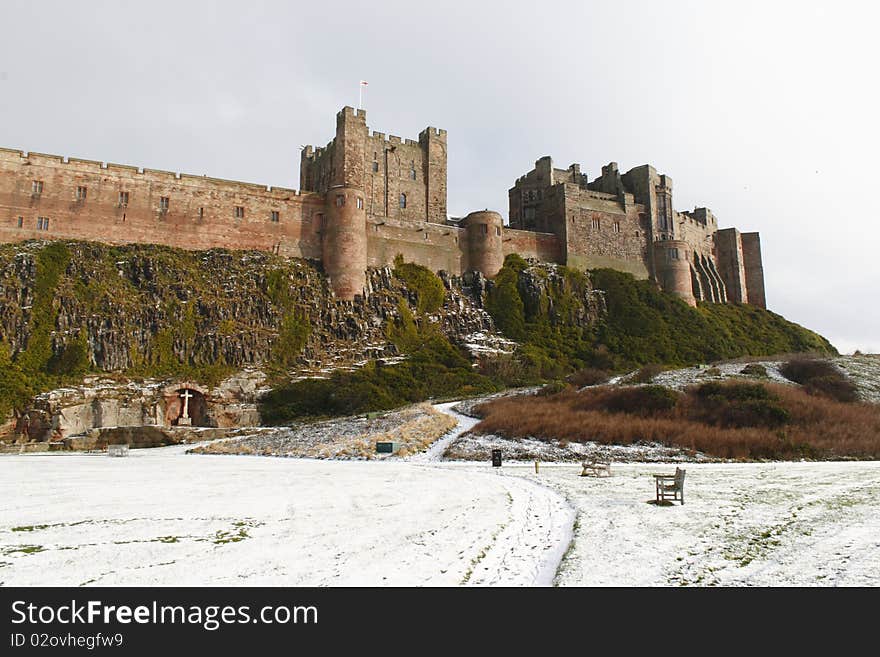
[(361, 85)]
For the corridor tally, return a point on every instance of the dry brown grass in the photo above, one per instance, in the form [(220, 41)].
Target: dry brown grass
[(818, 428)]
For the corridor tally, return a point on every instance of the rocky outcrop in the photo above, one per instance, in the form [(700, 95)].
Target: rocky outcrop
[(161, 320), (99, 403), (137, 306)]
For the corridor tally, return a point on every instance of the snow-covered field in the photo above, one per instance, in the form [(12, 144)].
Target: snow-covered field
[(750, 524), (161, 517)]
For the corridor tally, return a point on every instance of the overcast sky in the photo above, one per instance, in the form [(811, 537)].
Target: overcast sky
[(766, 112)]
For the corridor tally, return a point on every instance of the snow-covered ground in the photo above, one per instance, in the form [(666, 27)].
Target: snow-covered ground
[(161, 517), (750, 524)]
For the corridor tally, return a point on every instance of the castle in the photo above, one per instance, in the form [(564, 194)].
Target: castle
[(366, 197)]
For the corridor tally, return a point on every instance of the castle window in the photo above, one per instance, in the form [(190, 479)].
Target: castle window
[(37, 187), (375, 166), (360, 203), (239, 212), (402, 201), (163, 203), (673, 254), (484, 229), (42, 223), (123, 199), (20, 222), (596, 223), (275, 217), (498, 231), (81, 193), (412, 170), (340, 200), (529, 213), (616, 226), (201, 213)]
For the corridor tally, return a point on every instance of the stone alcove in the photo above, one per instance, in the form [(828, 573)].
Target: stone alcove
[(190, 397)]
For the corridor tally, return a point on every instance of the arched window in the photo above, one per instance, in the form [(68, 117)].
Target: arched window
[(402, 201)]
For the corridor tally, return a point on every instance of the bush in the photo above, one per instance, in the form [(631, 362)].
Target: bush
[(755, 370), (738, 405), (553, 388), (834, 387), (426, 284), (754, 413), (646, 374), (820, 377), (732, 391), (803, 370), (642, 400), (589, 376)]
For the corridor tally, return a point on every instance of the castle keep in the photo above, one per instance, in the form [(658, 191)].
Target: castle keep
[(366, 197)]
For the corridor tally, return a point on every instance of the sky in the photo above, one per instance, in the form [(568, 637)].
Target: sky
[(767, 113)]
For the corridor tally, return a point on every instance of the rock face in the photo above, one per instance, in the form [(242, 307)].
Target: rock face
[(100, 403), (141, 305), (163, 321)]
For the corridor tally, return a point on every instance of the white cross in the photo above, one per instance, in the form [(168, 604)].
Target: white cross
[(186, 395)]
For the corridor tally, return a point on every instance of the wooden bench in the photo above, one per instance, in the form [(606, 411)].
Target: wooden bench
[(670, 487), (595, 469), (117, 450)]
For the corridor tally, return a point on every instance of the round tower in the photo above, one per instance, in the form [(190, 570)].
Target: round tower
[(484, 230), (673, 268), (344, 241)]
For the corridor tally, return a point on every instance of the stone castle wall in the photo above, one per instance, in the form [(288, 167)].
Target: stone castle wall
[(201, 212), (367, 197)]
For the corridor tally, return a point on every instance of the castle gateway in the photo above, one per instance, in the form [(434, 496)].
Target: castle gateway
[(366, 197)]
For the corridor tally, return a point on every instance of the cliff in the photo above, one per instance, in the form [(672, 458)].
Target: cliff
[(141, 311)]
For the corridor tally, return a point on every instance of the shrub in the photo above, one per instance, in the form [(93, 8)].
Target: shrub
[(589, 376), (754, 413), (803, 370), (646, 374), (732, 391), (835, 387), (426, 284), (755, 370), (820, 377), (553, 388), (642, 400)]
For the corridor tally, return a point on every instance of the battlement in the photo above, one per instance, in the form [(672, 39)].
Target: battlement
[(432, 132), (86, 166), (348, 111)]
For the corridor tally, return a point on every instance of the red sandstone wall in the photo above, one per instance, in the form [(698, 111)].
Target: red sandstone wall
[(542, 246), (200, 215), (754, 269), (620, 241), (430, 245)]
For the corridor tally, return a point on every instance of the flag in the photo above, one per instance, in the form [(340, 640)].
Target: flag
[(363, 83)]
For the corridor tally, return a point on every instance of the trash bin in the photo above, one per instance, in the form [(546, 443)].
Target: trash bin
[(496, 458)]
